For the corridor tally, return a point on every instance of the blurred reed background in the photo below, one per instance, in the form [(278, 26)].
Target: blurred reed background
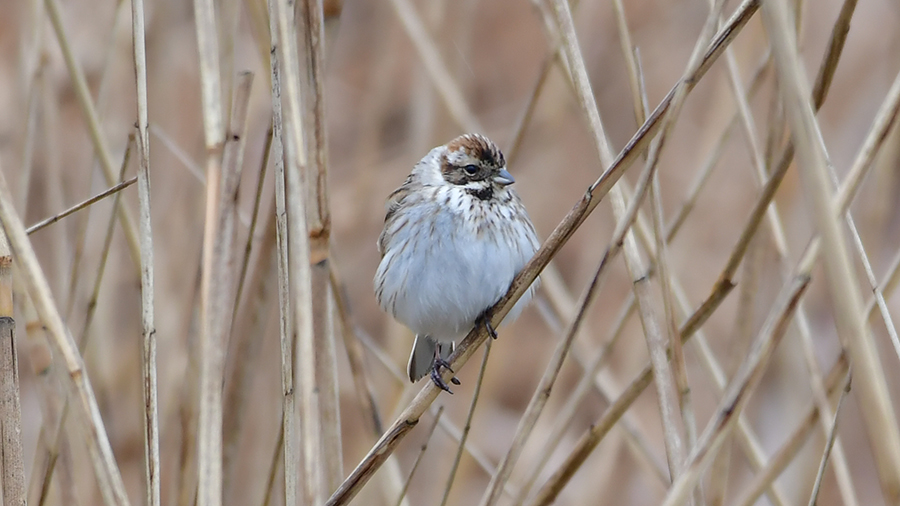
[(745, 414)]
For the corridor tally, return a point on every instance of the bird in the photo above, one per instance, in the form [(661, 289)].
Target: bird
[(455, 235)]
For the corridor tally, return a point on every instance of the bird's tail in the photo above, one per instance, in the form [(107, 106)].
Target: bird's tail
[(425, 348)]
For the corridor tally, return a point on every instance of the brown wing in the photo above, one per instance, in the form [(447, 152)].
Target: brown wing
[(393, 204)]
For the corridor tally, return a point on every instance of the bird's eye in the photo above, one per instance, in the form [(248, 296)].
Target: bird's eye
[(470, 169)]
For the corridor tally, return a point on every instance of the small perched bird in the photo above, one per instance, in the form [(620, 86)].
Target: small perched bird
[(455, 235)]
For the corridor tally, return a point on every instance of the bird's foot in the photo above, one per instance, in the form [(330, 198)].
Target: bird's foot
[(436, 366), (485, 319)]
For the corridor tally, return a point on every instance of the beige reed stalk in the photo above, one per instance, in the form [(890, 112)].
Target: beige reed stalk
[(92, 119), (299, 270), (743, 385), (12, 462), (289, 418), (869, 379), (318, 217), (212, 326), (148, 336), (78, 383)]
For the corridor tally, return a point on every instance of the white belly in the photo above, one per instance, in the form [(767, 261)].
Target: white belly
[(439, 287)]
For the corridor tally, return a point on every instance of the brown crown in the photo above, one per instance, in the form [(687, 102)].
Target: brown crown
[(478, 146)]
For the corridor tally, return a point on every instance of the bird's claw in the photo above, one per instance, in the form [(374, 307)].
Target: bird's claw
[(436, 367), (486, 321)]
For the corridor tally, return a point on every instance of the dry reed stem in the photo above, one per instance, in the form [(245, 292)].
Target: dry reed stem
[(882, 124), (355, 356), (244, 344), (823, 77), (289, 421), (101, 105), (884, 120), (109, 480), (57, 409), (81, 205), (752, 447), (217, 292), (688, 419), (562, 301), (838, 377), (467, 425), (852, 327), (408, 419), (617, 408), (91, 309), (254, 219), (445, 424), (250, 310), (667, 394), (12, 462), (679, 371), (148, 336), (93, 124), (273, 468), (421, 453), (825, 74), (54, 408), (34, 67), (223, 258), (567, 413), (211, 348), (299, 270), (244, 347), (542, 392), (232, 164), (218, 280), (829, 444), (717, 483), (629, 306), (743, 385), (666, 379), (870, 277), (188, 399), (722, 287), (365, 389), (180, 154), (318, 217)]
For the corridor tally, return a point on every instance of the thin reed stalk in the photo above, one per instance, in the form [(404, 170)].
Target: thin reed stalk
[(93, 122), (77, 382), (12, 461), (852, 327), (318, 217), (289, 420), (152, 468), (298, 261)]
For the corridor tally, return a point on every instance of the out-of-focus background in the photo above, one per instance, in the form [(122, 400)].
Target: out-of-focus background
[(383, 114)]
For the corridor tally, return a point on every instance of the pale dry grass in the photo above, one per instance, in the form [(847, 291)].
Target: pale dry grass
[(213, 333)]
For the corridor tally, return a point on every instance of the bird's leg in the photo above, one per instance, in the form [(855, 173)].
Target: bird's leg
[(485, 319), (436, 365)]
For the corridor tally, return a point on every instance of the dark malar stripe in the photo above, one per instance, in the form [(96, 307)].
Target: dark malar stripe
[(482, 194)]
